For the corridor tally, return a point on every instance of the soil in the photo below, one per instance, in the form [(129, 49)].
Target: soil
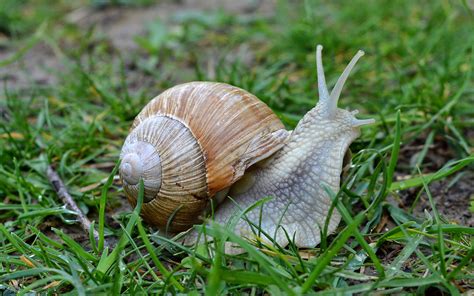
[(120, 25), (36, 67), (452, 200), (452, 196)]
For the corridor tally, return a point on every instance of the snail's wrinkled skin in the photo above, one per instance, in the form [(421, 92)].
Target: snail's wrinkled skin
[(297, 181), (298, 177)]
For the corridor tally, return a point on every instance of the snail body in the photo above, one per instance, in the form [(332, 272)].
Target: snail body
[(199, 142)]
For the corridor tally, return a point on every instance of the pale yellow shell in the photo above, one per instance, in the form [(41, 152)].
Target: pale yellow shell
[(191, 142)]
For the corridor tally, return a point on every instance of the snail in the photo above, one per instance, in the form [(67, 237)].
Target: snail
[(199, 142)]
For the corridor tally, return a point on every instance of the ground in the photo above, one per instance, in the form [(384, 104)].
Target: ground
[(75, 75)]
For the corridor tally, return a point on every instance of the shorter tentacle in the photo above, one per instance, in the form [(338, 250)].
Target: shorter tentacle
[(360, 122)]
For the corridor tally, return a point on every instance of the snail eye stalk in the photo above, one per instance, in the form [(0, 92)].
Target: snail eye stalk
[(329, 102)]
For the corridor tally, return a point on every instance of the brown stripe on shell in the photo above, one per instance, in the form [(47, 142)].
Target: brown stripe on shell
[(225, 120), (162, 209)]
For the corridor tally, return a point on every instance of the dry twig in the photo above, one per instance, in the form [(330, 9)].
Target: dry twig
[(62, 192)]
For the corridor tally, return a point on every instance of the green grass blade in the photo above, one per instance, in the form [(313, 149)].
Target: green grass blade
[(326, 257), (263, 261), (108, 261), (444, 172), (155, 259), (395, 151), (102, 204)]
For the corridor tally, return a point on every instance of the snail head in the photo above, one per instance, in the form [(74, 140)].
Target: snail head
[(327, 105)]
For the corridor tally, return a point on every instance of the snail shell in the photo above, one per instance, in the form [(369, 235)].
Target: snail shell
[(191, 142)]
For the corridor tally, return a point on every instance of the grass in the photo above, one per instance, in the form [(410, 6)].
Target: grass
[(415, 79)]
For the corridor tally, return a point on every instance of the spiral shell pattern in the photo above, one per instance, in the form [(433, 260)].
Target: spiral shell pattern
[(191, 142)]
